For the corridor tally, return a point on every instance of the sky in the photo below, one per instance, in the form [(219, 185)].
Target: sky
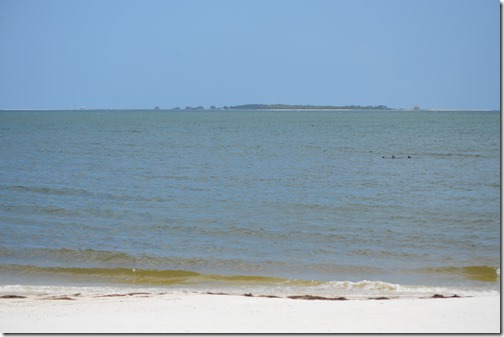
[(106, 54)]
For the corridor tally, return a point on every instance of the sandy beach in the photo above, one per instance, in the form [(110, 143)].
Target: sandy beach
[(201, 313)]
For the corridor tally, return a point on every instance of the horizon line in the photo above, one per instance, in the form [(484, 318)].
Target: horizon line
[(209, 109)]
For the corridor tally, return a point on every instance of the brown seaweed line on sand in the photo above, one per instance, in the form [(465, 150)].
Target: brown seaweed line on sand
[(12, 296), (311, 297), (246, 295), (296, 297), (58, 298), (121, 295), (443, 296), (302, 297), (61, 297), (378, 298)]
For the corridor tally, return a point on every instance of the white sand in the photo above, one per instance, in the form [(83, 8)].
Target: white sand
[(221, 313)]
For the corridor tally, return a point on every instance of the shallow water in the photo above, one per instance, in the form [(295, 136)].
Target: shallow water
[(88, 196)]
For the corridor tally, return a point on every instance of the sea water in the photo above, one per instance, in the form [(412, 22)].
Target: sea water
[(315, 201)]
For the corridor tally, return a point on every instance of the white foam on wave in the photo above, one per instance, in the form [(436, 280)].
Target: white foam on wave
[(367, 288)]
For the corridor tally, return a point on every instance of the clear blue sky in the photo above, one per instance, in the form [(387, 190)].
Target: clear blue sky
[(139, 54)]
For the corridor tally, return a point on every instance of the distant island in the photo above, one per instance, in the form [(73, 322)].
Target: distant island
[(307, 107), (290, 107)]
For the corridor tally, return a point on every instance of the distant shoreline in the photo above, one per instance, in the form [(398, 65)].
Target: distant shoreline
[(249, 109), (306, 107)]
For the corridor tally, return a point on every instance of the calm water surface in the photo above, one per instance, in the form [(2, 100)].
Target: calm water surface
[(181, 198)]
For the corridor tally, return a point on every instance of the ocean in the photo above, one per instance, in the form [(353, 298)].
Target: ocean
[(346, 203)]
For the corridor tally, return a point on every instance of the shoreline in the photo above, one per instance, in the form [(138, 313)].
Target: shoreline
[(178, 312)]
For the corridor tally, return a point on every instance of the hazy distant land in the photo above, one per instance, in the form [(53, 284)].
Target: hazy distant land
[(259, 107), (291, 107), (307, 107)]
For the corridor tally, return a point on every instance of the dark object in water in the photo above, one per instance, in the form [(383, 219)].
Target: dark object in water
[(394, 157), (248, 295)]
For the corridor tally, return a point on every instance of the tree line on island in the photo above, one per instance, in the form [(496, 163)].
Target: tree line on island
[(286, 107)]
